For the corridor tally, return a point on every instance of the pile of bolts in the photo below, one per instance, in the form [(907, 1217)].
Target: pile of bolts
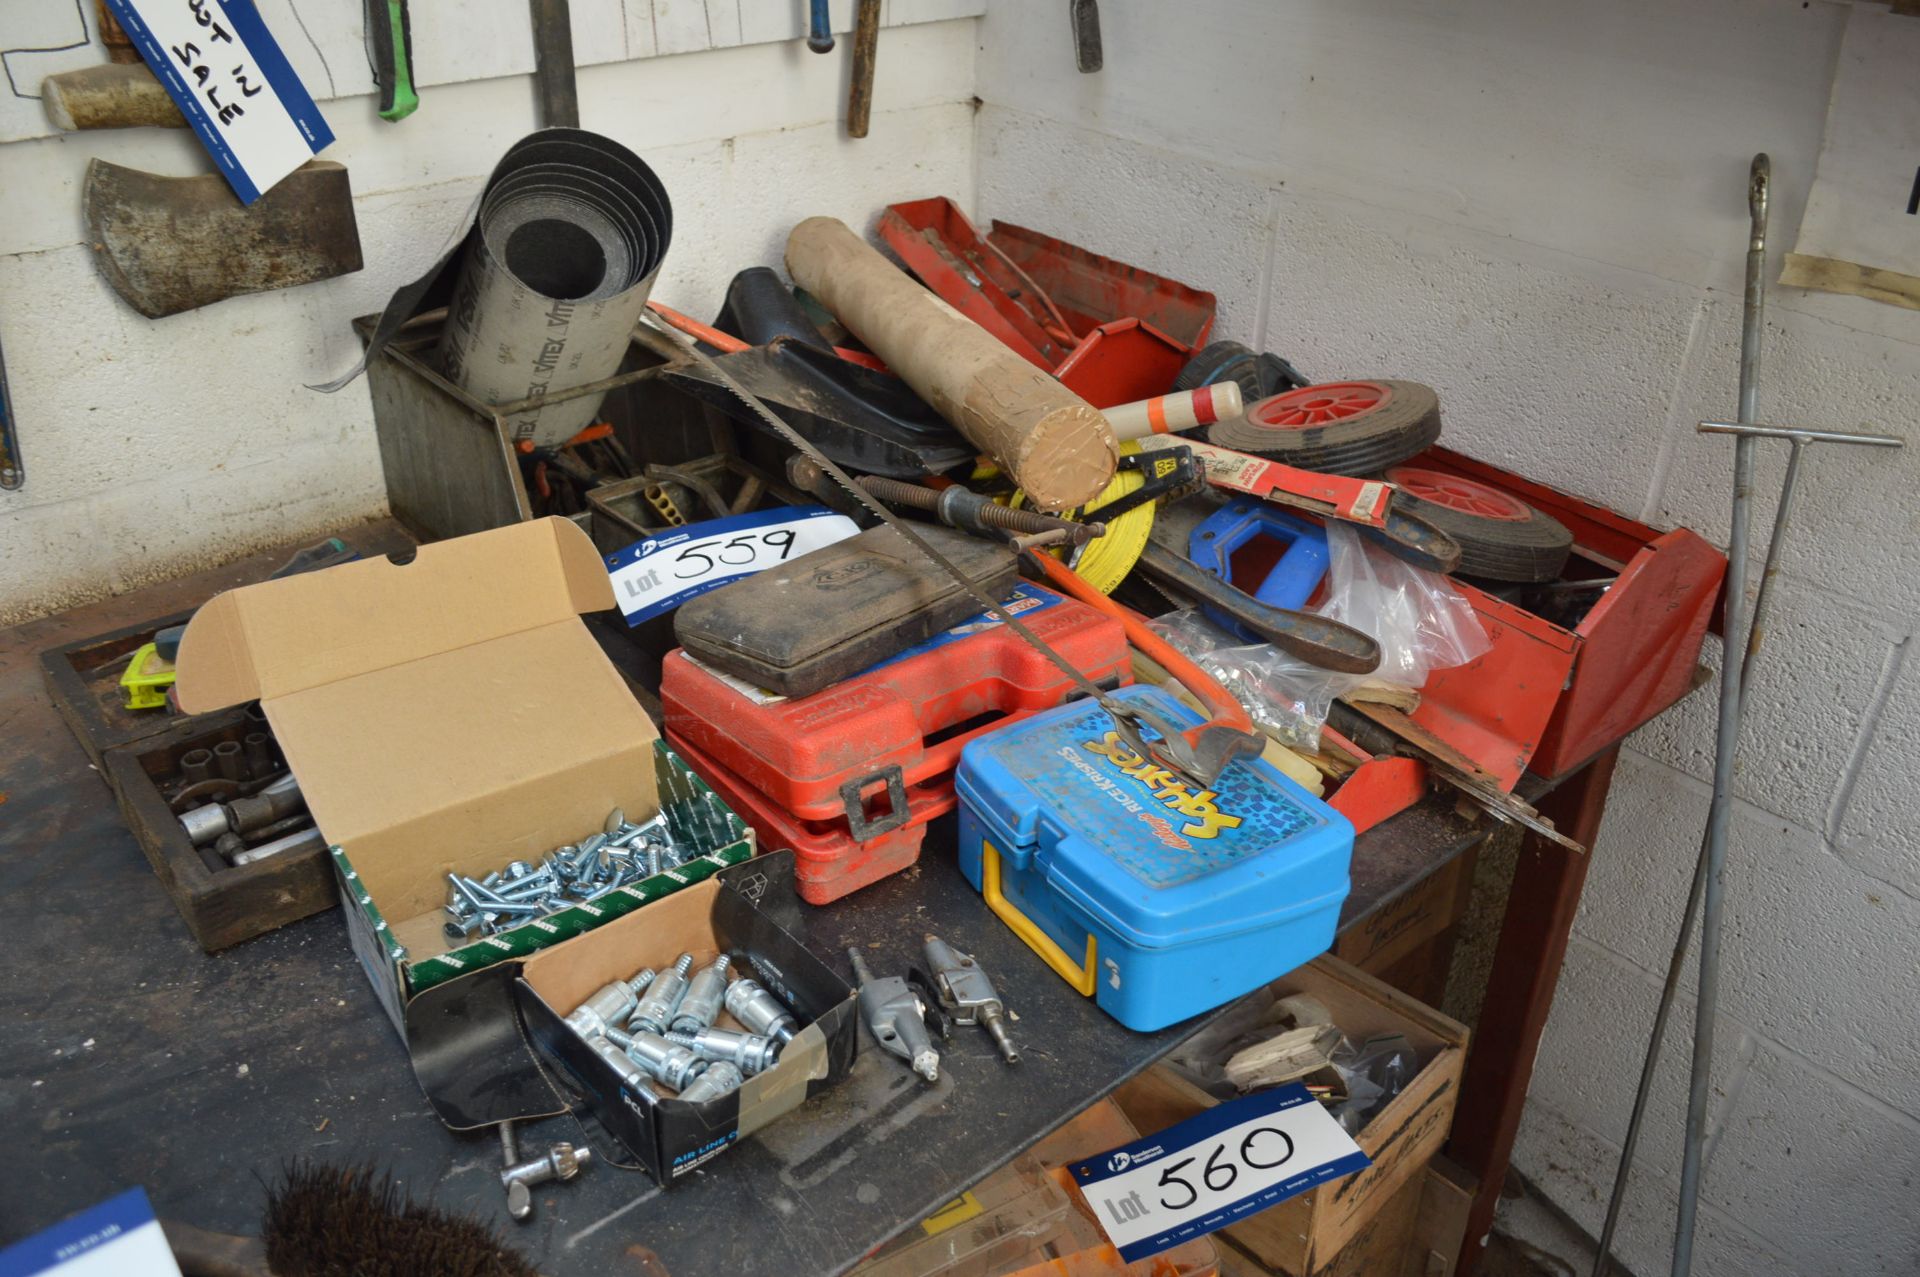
[(669, 1034), (621, 853)]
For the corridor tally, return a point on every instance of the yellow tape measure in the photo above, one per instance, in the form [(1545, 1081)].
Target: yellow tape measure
[(1105, 561)]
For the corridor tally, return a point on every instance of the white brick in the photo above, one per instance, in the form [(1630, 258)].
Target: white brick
[(1551, 366), (1617, 132), (1822, 960), (1829, 1175), (1642, 862), (148, 529), (1852, 532), (1807, 698), (1589, 1062), (1156, 208), (1574, 1168), (1810, 947), (1879, 827)]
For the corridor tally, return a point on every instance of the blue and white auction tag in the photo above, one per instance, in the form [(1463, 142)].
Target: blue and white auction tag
[(1215, 1169), (657, 575), (226, 73), (118, 1238)]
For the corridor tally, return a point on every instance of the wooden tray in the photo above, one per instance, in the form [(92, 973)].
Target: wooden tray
[(222, 904), (84, 680)]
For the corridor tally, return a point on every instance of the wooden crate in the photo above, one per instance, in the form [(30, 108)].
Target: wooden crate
[(83, 679), (222, 904), (1304, 1234)]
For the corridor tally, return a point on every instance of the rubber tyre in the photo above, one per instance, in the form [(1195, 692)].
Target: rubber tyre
[(1344, 427), (1257, 375), (1501, 537)]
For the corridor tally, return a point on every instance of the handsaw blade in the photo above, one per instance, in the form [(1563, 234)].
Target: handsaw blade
[(1127, 719)]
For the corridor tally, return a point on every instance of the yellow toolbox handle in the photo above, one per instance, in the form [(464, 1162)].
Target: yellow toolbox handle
[(1080, 977)]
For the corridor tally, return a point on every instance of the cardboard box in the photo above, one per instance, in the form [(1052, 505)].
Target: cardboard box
[(669, 1136), (449, 713), (1306, 1233)]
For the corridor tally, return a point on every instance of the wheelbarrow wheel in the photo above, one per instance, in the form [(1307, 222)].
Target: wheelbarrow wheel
[(1501, 537), (1340, 427), (1258, 375)]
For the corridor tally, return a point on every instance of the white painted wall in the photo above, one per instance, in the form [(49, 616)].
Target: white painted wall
[(155, 446), (1538, 206)]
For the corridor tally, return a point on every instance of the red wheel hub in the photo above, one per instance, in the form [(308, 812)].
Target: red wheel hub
[(1306, 407), (1456, 493)]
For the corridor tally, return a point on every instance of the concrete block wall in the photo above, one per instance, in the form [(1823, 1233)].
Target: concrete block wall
[(157, 446), (1538, 206)]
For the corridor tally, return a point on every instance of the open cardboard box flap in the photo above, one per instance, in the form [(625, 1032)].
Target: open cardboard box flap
[(451, 713)]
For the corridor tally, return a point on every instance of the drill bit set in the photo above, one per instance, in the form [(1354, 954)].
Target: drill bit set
[(663, 1028)]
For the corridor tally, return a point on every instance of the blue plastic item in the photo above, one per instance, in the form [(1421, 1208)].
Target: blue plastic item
[(1300, 565), (1157, 901)]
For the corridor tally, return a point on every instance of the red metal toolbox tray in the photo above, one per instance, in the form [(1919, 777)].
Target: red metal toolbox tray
[(828, 861), (1112, 333), (901, 723), (1548, 698)]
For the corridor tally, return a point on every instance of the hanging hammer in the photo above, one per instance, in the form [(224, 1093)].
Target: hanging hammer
[(820, 29)]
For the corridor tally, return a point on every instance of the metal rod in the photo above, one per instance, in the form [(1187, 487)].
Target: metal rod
[(13, 470), (1707, 1000), (1763, 597), (1756, 638), (1797, 434)]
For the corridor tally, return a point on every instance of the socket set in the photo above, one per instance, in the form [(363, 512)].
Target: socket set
[(620, 853), (664, 1029), (223, 823)]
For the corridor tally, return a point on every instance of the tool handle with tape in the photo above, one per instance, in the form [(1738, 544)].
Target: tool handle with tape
[(390, 46), (1181, 410)]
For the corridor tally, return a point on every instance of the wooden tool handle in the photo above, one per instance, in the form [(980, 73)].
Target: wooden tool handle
[(866, 42)]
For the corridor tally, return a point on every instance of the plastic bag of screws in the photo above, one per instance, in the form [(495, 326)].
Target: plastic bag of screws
[(671, 1035), (619, 854)]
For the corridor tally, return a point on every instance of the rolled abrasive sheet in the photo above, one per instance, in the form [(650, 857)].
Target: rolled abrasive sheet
[(546, 280)]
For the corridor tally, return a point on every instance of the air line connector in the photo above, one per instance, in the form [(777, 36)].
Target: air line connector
[(895, 1018)]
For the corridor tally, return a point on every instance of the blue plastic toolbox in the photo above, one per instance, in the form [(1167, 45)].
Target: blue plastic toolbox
[(1157, 901)]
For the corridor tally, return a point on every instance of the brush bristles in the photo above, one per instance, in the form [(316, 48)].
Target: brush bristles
[(330, 1221)]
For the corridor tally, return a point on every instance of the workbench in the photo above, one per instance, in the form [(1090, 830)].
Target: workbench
[(130, 1057)]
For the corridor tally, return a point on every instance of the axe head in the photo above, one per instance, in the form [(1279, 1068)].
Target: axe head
[(169, 244)]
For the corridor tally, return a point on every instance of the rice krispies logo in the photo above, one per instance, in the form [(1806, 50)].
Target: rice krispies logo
[(1200, 808)]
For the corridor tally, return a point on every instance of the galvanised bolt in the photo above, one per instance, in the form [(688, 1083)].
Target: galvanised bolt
[(749, 1052), (630, 834), (656, 1010), (700, 1007), (561, 1162)]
